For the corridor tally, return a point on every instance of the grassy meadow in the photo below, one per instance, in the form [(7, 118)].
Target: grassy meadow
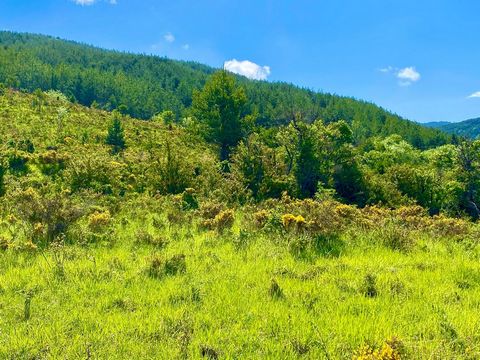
[(102, 257), (160, 290)]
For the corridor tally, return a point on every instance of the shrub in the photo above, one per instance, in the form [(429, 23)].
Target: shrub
[(156, 267), (17, 161), (260, 218), (175, 265), (275, 291), (292, 222), (396, 236), (116, 136), (369, 286), (144, 237), (448, 227), (4, 243), (391, 349), (223, 221), (172, 172), (99, 220), (211, 209), (51, 163), (93, 172), (55, 212), (208, 352), (189, 199)]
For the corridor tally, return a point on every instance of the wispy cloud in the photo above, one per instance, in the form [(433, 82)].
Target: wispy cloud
[(475, 95), (84, 2), (169, 37), (247, 69), (406, 76), (386, 69), (91, 2)]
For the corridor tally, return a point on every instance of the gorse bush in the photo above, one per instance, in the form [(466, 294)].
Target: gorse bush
[(48, 215), (99, 220), (223, 221), (51, 162)]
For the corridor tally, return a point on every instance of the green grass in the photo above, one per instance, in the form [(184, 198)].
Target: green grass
[(100, 302), (147, 282)]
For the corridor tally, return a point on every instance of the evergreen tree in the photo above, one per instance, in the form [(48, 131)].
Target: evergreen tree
[(116, 135), (220, 107)]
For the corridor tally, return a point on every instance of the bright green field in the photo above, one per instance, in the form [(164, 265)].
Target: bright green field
[(100, 301)]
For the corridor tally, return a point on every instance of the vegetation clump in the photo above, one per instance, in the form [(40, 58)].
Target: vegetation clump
[(224, 220), (391, 349)]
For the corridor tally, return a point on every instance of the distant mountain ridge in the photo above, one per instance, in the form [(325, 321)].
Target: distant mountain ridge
[(468, 128)]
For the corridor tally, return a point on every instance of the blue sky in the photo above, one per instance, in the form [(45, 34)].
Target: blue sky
[(420, 59)]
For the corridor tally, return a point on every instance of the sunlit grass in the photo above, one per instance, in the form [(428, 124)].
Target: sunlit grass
[(101, 301)]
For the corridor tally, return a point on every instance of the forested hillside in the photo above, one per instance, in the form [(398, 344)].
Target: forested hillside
[(143, 86), (468, 128)]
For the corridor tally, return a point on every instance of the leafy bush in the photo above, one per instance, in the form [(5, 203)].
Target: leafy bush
[(17, 161), (99, 220), (51, 162), (49, 215), (159, 267), (222, 221)]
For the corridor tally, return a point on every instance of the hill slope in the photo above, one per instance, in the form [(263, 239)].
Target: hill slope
[(468, 128), (147, 85), (98, 261)]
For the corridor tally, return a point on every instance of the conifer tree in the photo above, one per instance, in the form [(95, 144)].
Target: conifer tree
[(219, 107), (116, 135)]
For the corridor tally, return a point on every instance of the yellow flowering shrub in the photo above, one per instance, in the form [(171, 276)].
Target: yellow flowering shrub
[(261, 217), (222, 221), (390, 350), (292, 222), (445, 226), (99, 220)]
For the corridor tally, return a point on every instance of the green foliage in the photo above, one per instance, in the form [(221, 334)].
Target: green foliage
[(166, 117), (2, 179), (469, 175), (220, 107), (116, 135), (173, 172)]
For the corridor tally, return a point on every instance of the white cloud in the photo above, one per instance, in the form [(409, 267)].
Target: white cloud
[(408, 76), (247, 69), (169, 37), (475, 95)]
